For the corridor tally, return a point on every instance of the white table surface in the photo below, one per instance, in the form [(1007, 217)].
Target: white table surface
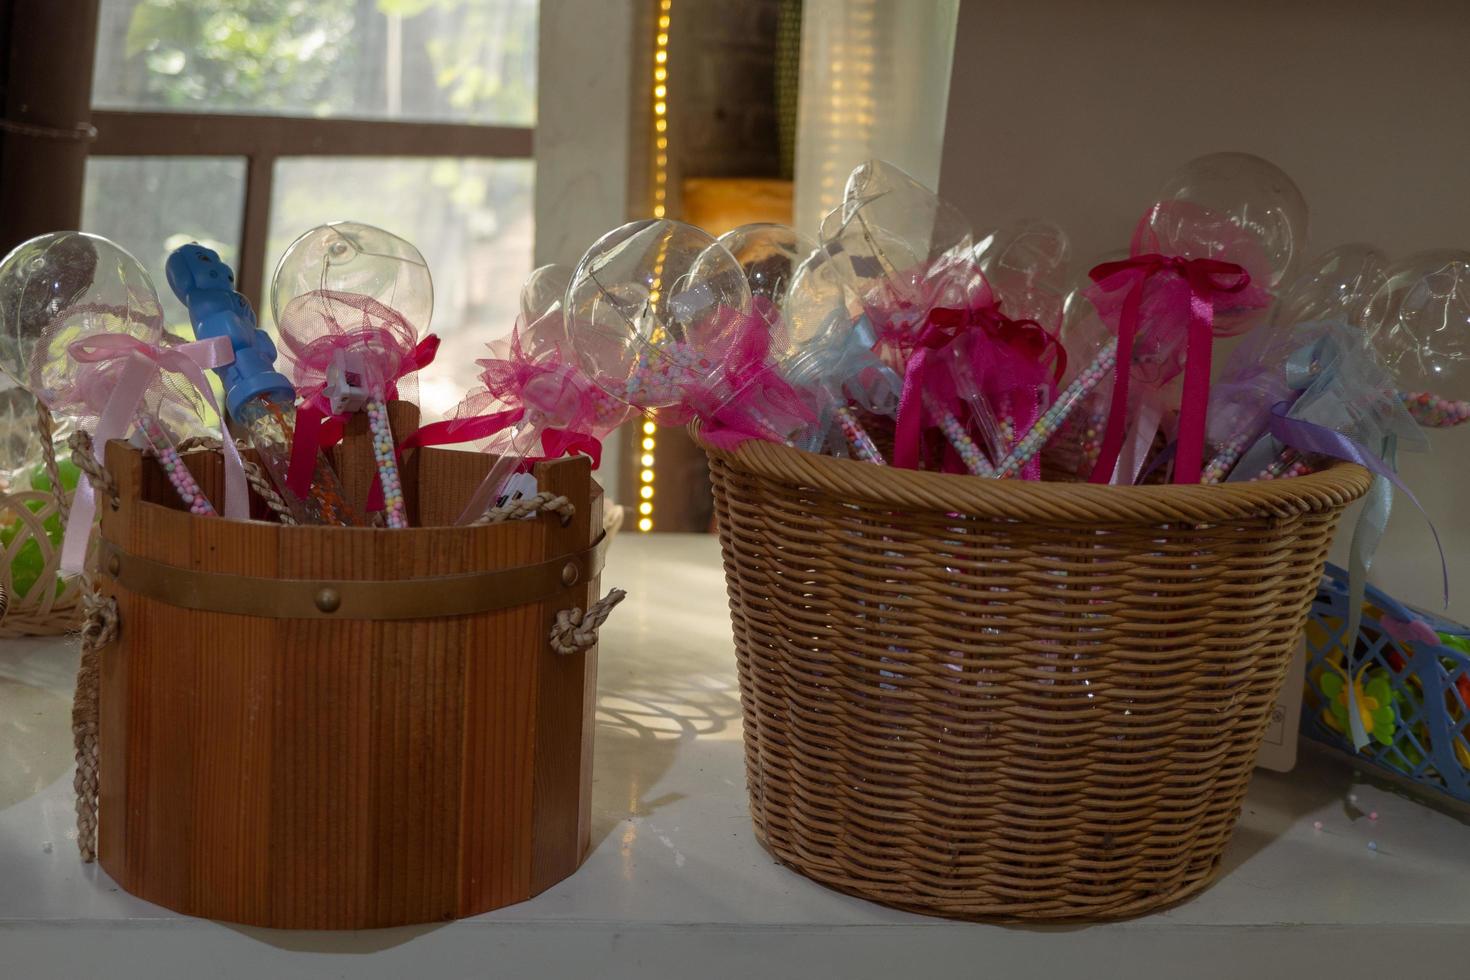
[(677, 886)]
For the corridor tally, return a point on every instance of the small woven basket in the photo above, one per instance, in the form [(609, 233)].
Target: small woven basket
[(47, 606), (1009, 700)]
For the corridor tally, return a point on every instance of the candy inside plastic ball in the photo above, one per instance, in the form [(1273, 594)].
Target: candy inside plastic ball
[(349, 257), (1256, 196), (1336, 285), (60, 287), (649, 308), (1419, 322)]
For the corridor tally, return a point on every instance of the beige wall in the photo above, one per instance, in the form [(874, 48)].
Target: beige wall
[(1076, 110)]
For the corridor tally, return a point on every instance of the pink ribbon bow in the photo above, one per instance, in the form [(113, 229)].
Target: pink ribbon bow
[(1165, 292), (524, 380), (124, 366), (314, 328)]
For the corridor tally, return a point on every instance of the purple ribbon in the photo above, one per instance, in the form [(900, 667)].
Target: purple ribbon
[(1309, 437)]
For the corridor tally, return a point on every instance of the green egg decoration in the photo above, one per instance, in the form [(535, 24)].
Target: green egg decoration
[(28, 562)]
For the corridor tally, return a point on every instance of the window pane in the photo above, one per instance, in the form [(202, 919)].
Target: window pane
[(152, 205), (447, 60), (470, 218)]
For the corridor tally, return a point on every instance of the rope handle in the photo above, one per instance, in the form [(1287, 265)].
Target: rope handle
[(575, 631), (81, 455), (524, 506), (99, 628)]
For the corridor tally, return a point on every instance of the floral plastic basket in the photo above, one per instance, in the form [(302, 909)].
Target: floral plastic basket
[(1413, 672)]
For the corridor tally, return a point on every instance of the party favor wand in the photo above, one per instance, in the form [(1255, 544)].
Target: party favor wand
[(259, 398)]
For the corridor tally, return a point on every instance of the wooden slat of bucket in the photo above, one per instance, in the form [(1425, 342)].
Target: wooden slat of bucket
[(337, 774), (567, 683)]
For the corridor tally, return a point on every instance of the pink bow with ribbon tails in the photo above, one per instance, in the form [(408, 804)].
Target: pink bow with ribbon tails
[(1011, 358), (1192, 276), (584, 414), (114, 372), (323, 326)]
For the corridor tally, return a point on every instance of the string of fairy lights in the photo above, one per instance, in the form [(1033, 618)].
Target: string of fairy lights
[(660, 208)]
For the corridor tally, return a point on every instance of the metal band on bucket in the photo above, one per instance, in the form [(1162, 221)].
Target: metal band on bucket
[(354, 599)]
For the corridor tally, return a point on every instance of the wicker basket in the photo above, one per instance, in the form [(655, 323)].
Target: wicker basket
[(1006, 700)]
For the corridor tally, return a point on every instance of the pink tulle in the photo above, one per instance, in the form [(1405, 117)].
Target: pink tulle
[(316, 326), (527, 372)]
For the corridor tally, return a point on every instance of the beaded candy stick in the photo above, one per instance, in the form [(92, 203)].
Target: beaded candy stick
[(1052, 419), (1288, 463), (173, 465), (1434, 412), (970, 453), (386, 459)]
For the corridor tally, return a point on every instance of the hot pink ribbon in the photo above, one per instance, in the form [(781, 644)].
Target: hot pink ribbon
[(473, 428), (318, 429), (1208, 281), (141, 362), (1024, 343)]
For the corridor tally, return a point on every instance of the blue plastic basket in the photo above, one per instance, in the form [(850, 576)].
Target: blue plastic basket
[(1415, 691)]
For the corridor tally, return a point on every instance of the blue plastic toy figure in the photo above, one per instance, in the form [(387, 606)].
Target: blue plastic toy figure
[(204, 284), (259, 398)]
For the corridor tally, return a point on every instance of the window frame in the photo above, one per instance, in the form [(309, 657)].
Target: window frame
[(262, 140)]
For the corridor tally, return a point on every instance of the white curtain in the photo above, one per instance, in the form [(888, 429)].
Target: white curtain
[(874, 85)]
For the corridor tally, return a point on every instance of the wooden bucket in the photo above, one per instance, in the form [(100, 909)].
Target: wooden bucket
[(340, 728)]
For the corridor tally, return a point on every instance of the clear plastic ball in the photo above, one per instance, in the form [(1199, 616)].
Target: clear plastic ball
[(1026, 265), (349, 257), (1419, 322), (61, 287), (1193, 231), (816, 310), (1336, 285), (649, 308), (1256, 196), (899, 246), (770, 254), (545, 287)]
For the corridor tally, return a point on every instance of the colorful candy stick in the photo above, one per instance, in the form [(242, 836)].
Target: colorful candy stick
[(970, 453), (1434, 412), (1051, 420), (857, 437), (387, 462), (1288, 463), (1225, 459), (178, 474)]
